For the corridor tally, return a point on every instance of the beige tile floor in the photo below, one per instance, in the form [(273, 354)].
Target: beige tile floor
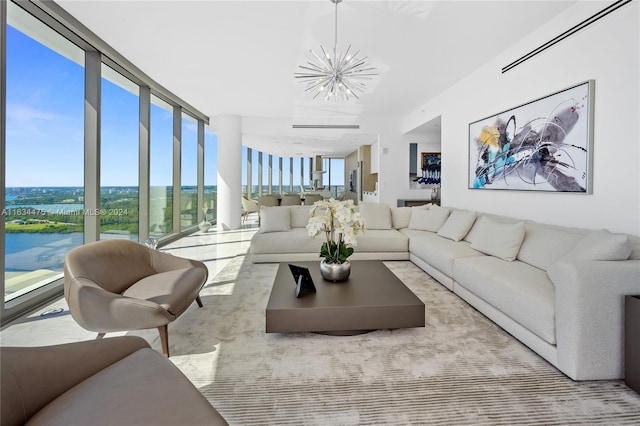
[(216, 248)]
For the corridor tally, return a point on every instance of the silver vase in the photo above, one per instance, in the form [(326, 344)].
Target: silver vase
[(335, 271)]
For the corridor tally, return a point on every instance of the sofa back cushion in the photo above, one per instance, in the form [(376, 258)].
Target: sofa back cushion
[(274, 219), (400, 217), (635, 247), (375, 215), (501, 240), (300, 215), (477, 224), (543, 245), (457, 225), (601, 245), (429, 220)]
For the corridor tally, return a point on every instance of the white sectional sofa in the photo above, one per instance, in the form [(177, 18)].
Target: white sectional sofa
[(558, 290)]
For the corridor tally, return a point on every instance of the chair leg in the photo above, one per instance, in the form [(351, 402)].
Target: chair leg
[(100, 335), (199, 301), (164, 339)]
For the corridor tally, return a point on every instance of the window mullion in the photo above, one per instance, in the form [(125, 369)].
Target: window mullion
[(92, 78)]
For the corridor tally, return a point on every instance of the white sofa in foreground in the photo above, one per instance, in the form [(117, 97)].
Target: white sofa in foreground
[(283, 237), (559, 290)]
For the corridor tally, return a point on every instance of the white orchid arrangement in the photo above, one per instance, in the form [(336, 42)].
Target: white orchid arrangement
[(341, 223)]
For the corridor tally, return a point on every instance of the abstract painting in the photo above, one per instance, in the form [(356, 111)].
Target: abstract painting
[(431, 165), (543, 145)]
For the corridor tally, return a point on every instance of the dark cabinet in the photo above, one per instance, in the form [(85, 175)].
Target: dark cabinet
[(632, 342)]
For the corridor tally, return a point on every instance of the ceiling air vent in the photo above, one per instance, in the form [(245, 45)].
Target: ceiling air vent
[(326, 126)]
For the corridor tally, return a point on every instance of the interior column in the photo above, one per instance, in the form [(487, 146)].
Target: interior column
[(229, 205)]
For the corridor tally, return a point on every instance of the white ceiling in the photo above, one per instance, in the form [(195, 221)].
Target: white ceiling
[(238, 57)]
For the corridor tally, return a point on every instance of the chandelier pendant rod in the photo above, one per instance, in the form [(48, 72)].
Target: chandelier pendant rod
[(335, 32)]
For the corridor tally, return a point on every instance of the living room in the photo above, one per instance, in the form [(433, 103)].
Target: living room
[(461, 368)]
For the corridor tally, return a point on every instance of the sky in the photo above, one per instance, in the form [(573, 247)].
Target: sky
[(45, 122)]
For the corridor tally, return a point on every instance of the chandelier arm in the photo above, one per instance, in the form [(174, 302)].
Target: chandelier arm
[(353, 68), (343, 59), (327, 59), (320, 82), (313, 68)]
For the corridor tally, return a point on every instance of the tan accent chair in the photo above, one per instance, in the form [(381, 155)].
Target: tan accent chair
[(309, 199), (114, 381), (248, 206), (119, 285), (269, 200), (290, 200)]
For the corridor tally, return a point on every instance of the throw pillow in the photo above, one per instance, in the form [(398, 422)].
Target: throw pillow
[(274, 219), (501, 240), (601, 245), (300, 216), (428, 220), (400, 217), (375, 215), (457, 225)]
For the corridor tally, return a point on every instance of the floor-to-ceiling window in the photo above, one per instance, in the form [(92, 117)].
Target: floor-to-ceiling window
[(275, 175), (161, 169), (119, 190), (285, 173), (336, 177), (44, 153), (297, 175), (189, 173), (55, 139), (254, 174), (244, 166)]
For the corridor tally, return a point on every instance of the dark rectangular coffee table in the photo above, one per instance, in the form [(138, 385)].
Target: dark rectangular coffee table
[(372, 298)]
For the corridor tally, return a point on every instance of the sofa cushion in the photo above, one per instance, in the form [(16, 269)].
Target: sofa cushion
[(545, 244), (274, 219), (141, 389), (429, 220), (375, 215), (635, 247), (400, 217), (300, 216), (457, 225), (297, 240), (478, 224), (522, 292), (378, 240), (439, 252), (173, 290), (601, 245), (411, 233), (502, 240)]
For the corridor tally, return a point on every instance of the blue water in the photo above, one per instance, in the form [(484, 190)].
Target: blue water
[(28, 252), (16, 243)]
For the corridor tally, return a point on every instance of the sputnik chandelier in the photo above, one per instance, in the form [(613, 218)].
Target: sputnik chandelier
[(340, 76)]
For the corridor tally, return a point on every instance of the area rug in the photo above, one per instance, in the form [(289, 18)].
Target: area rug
[(459, 369)]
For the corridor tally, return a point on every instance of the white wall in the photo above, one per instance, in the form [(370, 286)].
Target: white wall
[(607, 52)]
